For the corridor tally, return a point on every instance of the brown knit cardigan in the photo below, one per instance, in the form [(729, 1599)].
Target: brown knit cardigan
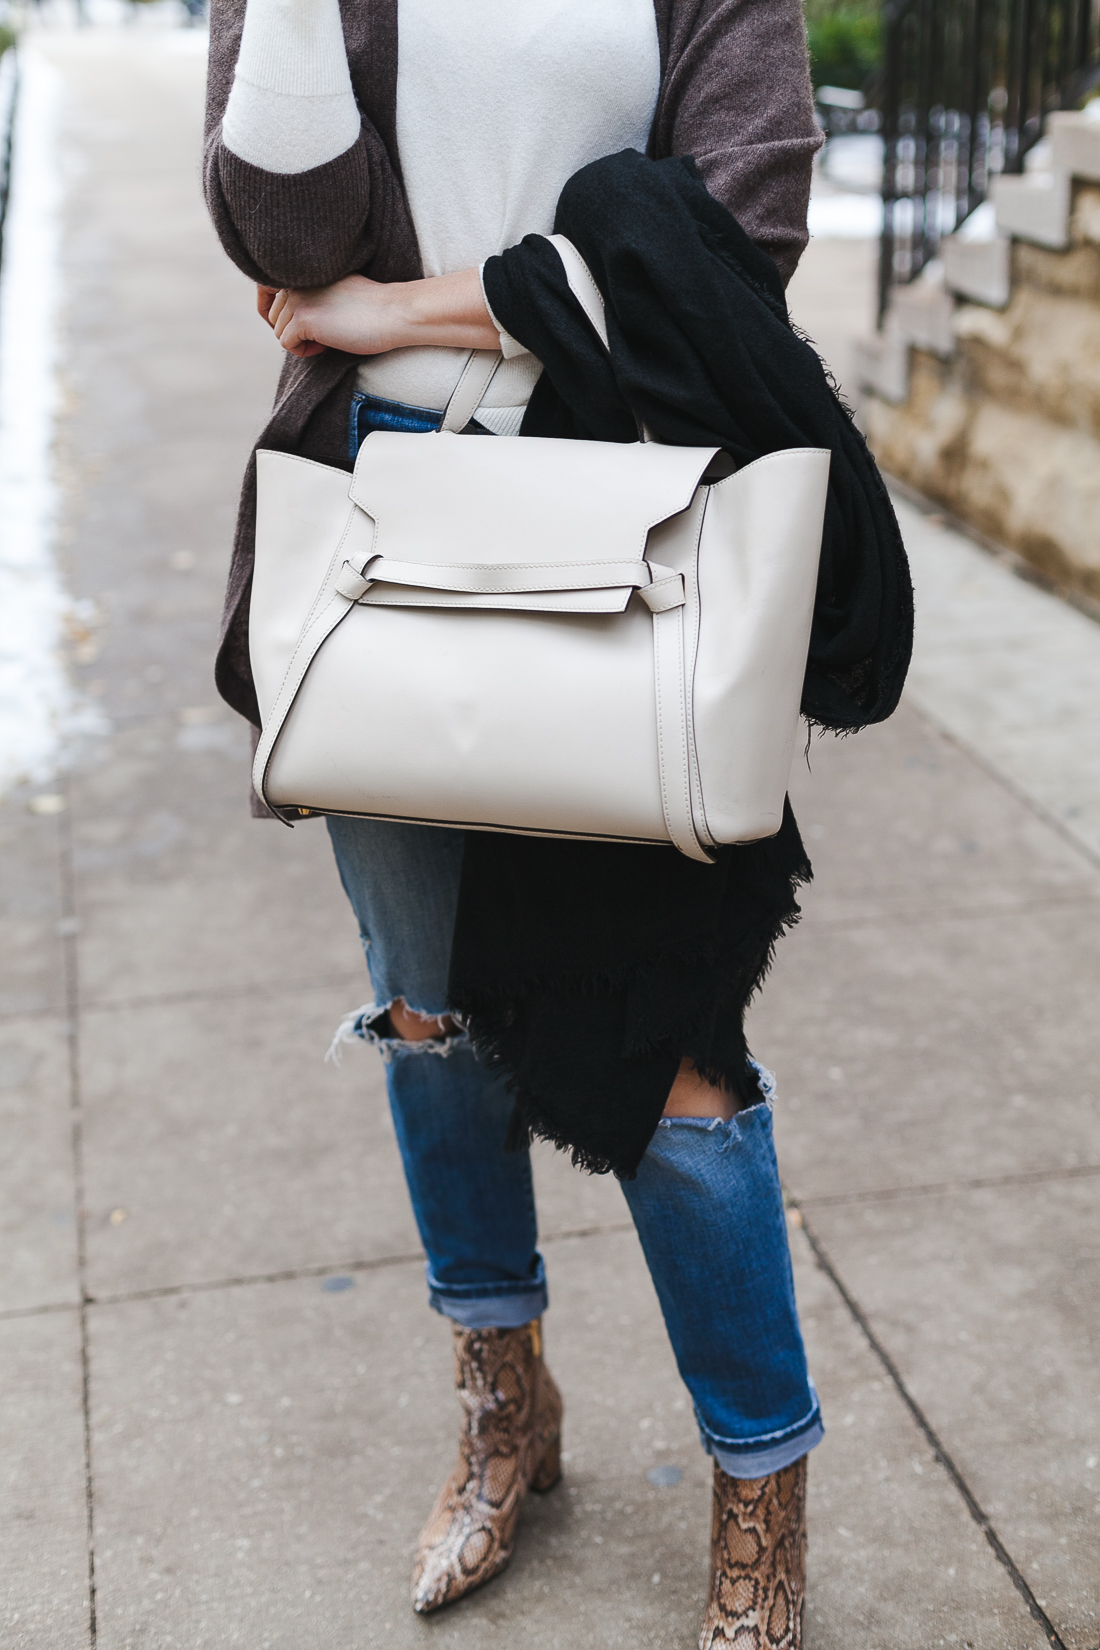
[(734, 93)]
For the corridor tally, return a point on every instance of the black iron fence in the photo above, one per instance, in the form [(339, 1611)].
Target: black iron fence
[(965, 87)]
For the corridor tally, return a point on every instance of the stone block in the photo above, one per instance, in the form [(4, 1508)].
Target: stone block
[(1075, 144), (922, 313), (1041, 355), (1085, 223), (882, 365), (1023, 480), (979, 270), (1072, 273), (1034, 206)]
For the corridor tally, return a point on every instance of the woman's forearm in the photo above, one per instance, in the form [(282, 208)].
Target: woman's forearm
[(370, 317)]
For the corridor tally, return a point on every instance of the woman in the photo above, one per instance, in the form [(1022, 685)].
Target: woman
[(361, 167)]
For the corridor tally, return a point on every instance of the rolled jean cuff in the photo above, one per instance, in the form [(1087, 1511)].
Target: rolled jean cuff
[(759, 1459), (490, 1305)]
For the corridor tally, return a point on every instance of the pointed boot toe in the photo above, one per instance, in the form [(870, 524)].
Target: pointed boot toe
[(511, 1442)]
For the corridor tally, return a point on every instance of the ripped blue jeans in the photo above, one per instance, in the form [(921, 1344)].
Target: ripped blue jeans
[(706, 1202)]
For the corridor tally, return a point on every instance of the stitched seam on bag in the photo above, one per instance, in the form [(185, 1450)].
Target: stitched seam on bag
[(328, 571), (510, 566), (657, 521), (293, 692), (513, 567), (666, 803), (657, 681), (693, 748), (500, 604), (772, 458), (262, 787), (296, 458), (497, 825), (324, 585), (678, 614)]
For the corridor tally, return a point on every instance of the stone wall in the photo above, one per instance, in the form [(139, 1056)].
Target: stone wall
[(995, 412)]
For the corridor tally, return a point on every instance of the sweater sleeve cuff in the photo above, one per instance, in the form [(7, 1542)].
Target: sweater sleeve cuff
[(509, 347), (291, 107)]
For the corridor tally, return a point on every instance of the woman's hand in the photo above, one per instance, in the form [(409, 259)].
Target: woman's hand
[(265, 298), (369, 317)]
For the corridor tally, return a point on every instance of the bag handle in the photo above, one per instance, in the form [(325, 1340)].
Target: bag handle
[(582, 285), (481, 364), (471, 389)]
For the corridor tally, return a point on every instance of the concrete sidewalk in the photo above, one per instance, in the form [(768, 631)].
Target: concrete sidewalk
[(219, 1374)]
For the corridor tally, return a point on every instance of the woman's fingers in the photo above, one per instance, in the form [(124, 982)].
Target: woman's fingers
[(288, 318), (278, 308), (354, 314), (285, 319), (265, 297)]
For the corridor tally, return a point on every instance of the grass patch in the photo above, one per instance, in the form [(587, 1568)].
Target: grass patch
[(845, 41)]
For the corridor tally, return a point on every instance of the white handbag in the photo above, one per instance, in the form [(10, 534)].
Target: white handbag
[(559, 638)]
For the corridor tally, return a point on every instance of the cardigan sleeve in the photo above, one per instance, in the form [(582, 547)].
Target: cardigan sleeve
[(292, 107), (304, 228), (736, 96)]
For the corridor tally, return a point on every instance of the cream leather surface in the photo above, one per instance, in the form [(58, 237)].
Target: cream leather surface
[(567, 638), (503, 716)]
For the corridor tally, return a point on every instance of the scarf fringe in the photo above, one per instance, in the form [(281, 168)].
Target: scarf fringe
[(532, 1117)]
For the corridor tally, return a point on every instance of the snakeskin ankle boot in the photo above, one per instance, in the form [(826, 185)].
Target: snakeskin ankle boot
[(511, 1442), (758, 1562)]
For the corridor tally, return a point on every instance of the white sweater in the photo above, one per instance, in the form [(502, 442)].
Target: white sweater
[(499, 102)]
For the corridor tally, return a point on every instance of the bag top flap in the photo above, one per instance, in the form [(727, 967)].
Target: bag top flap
[(449, 498)]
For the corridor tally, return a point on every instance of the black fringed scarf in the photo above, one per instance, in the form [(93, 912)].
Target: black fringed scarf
[(587, 971)]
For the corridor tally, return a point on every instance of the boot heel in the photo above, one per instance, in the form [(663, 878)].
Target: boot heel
[(548, 1470)]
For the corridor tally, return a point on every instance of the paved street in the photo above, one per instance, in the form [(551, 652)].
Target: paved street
[(217, 1363)]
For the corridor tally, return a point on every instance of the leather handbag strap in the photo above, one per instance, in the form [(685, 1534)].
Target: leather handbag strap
[(471, 389), (668, 622), (482, 364), (582, 285), (515, 578)]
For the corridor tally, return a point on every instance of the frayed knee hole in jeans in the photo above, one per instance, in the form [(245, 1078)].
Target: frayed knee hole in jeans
[(371, 1023)]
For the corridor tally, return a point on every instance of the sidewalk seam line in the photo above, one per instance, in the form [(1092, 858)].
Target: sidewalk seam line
[(291, 1274), (67, 877), (987, 765), (201, 994), (910, 917), (939, 1451), (10, 1313), (889, 1194), (1011, 560)]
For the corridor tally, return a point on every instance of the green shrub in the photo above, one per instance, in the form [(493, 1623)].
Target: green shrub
[(845, 42), (7, 38)]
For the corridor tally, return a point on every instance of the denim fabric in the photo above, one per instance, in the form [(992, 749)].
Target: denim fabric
[(402, 881), (709, 1212), (450, 1117), (370, 412), (706, 1202)]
